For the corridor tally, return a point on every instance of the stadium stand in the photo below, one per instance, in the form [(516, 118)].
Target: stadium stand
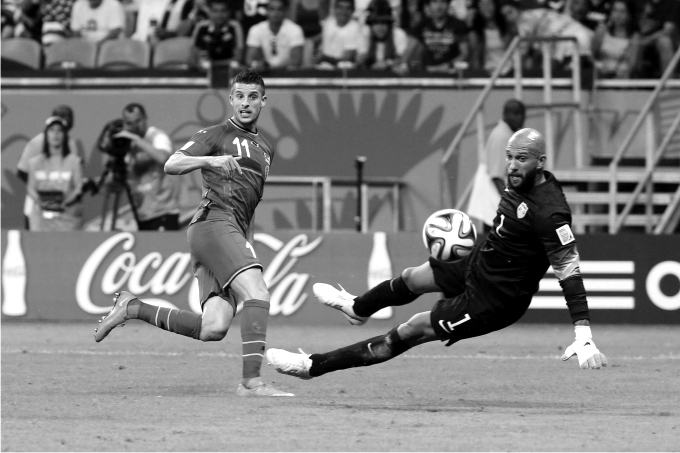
[(174, 53), (22, 50), (122, 54), (81, 52)]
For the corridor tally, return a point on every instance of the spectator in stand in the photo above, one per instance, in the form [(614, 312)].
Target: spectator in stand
[(277, 42), (443, 40), (489, 37), (56, 17), (97, 20), (543, 22), (309, 14), (27, 19), (55, 181), (219, 40), (175, 19), (8, 23), (342, 38), (598, 13), (658, 27), (148, 18), (34, 147), (616, 44), (198, 11), (254, 12), (387, 43)]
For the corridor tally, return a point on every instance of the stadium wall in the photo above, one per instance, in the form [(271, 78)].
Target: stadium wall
[(317, 131), (72, 276)]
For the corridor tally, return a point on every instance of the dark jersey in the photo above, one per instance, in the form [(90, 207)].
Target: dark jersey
[(233, 199), (531, 231), (220, 43), (442, 44)]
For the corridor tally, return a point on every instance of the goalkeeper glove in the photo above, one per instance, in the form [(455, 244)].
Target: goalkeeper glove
[(584, 348)]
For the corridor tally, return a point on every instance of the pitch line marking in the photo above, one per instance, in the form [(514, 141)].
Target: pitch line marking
[(669, 356)]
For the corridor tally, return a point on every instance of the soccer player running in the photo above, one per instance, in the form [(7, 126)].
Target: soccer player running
[(486, 291), (234, 160)]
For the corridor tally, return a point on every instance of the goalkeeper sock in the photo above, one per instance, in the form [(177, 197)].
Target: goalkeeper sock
[(182, 322), (390, 293), (254, 318), (365, 353)]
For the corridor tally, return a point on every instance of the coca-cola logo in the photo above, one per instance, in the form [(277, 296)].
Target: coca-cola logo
[(162, 277)]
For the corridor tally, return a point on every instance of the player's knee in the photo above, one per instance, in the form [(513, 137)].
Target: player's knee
[(416, 279), (214, 329), (417, 330)]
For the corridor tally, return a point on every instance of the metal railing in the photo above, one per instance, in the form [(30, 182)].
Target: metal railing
[(652, 159), (476, 112), (327, 182)]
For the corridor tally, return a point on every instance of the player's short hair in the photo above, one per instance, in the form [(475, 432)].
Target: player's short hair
[(132, 106), (249, 77), (530, 140)]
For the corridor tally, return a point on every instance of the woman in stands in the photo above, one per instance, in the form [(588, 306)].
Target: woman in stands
[(54, 182), (616, 44), (489, 37), (386, 42)]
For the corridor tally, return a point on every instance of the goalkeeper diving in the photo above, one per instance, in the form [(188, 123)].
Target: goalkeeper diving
[(488, 290)]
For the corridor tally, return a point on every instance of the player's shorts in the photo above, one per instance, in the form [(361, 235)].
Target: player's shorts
[(219, 252), (467, 310)]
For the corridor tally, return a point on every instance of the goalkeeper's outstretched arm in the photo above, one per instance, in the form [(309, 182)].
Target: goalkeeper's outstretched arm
[(565, 263)]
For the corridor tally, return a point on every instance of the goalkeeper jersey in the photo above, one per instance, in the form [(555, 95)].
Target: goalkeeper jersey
[(234, 198), (531, 231)]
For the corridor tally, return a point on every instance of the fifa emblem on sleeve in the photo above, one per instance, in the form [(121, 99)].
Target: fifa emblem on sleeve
[(522, 210), (565, 234)]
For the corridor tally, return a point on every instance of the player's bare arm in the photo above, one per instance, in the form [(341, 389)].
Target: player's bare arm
[(181, 164)]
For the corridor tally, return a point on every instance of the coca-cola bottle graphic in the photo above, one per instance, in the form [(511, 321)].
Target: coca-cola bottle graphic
[(14, 277), (380, 269)]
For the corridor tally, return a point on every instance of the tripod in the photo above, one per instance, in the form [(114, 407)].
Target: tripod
[(118, 184)]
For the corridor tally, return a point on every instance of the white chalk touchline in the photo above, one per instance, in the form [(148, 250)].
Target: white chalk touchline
[(669, 356)]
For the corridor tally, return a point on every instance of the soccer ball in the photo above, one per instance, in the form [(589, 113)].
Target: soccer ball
[(449, 235)]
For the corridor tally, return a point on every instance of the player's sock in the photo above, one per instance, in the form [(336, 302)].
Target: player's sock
[(182, 322), (365, 353), (254, 318), (390, 293)]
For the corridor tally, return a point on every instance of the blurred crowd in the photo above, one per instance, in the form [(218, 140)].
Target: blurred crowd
[(620, 38)]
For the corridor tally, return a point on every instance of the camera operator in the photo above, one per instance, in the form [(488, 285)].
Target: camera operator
[(142, 151)]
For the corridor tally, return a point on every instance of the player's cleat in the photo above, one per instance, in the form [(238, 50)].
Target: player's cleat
[(290, 363), (261, 390), (116, 317), (340, 300)]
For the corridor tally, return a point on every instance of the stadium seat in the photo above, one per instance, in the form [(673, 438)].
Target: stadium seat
[(174, 53), (22, 50), (81, 52), (121, 54)]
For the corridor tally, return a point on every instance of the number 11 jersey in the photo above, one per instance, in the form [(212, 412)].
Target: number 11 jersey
[(232, 198)]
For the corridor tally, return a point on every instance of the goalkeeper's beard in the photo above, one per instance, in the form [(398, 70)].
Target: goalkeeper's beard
[(528, 181)]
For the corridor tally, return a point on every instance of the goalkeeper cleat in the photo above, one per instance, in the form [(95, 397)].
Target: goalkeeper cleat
[(116, 317), (261, 390), (340, 300), (290, 363)]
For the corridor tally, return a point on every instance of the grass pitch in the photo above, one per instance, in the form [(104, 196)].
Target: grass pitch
[(146, 390)]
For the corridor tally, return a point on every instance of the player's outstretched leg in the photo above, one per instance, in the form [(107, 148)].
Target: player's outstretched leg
[(126, 306), (357, 310), (365, 353)]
